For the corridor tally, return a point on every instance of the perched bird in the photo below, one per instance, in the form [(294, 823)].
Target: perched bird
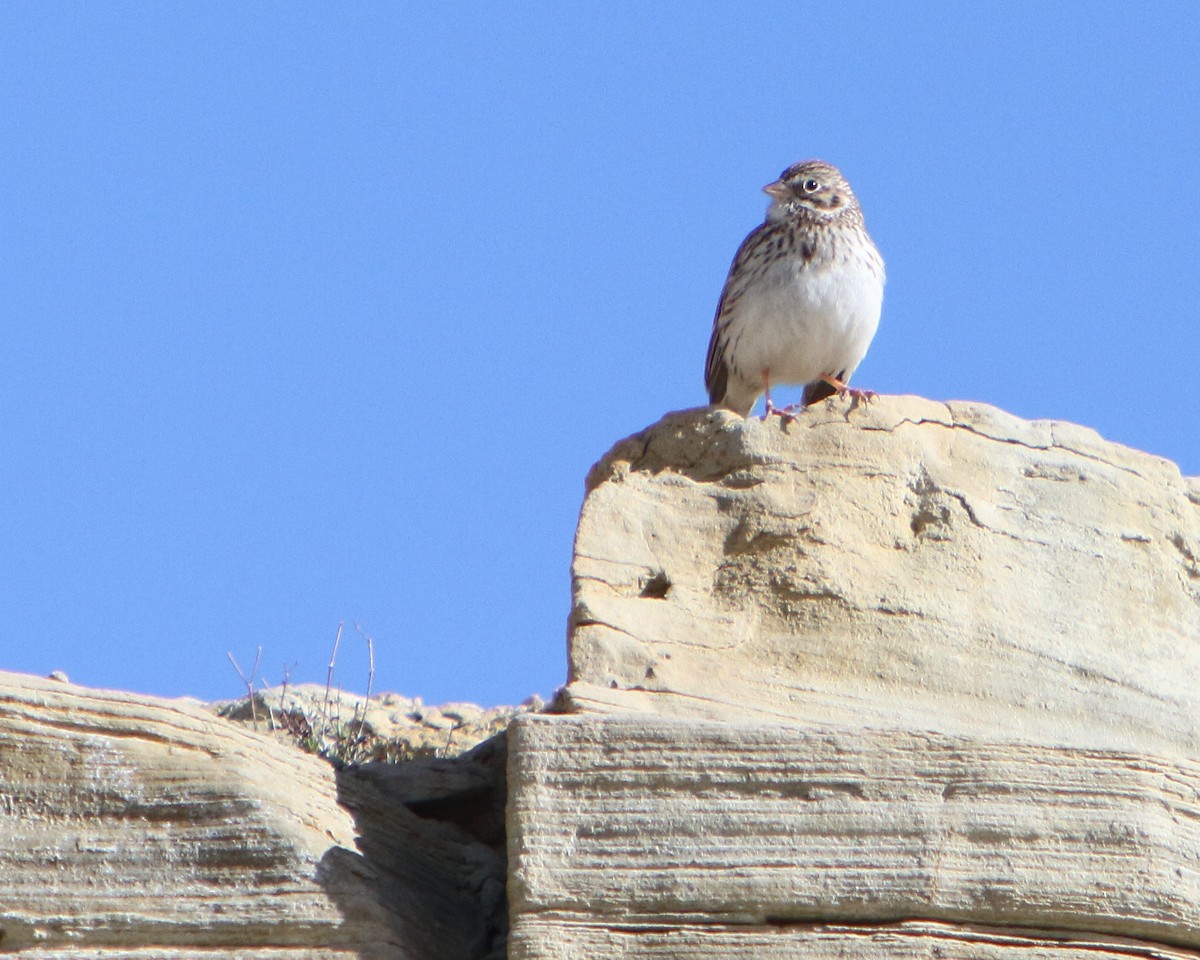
[(802, 299)]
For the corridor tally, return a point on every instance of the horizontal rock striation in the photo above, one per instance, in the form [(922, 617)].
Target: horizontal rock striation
[(898, 679), (631, 823), (137, 827)]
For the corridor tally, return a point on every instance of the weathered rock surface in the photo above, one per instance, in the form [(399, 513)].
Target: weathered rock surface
[(910, 564), (915, 679), (903, 940), (619, 826), (138, 827)]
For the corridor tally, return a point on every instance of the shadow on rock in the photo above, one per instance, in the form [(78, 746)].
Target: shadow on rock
[(431, 864)]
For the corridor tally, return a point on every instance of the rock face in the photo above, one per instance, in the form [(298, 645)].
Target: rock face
[(909, 680), (636, 836), (911, 564), (131, 826), (913, 679)]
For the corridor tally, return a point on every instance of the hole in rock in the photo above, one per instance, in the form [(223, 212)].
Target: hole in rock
[(657, 587)]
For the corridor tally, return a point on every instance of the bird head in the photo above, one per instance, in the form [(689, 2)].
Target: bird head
[(813, 187)]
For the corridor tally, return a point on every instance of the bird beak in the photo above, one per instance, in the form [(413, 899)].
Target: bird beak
[(776, 190)]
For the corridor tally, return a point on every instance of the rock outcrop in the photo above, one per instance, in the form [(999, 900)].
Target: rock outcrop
[(137, 827), (907, 679), (903, 679)]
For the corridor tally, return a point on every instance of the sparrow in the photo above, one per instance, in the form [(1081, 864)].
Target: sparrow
[(802, 300)]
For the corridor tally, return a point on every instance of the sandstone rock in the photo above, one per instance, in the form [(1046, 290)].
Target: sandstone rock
[(904, 940), (913, 680), (726, 838), (131, 826), (910, 679), (910, 564)]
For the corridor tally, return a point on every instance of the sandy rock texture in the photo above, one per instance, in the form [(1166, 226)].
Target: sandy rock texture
[(137, 827), (905, 679), (622, 825), (909, 563)]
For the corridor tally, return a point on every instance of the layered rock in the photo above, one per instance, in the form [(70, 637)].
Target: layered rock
[(922, 667), (137, 827), (641, 836), (903, 680)]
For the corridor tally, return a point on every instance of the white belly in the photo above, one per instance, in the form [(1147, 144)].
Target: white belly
[(799, 323)]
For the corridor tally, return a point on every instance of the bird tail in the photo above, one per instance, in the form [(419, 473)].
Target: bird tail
[(817, 391)]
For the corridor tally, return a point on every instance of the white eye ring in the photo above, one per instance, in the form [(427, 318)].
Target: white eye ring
[(812, 185)]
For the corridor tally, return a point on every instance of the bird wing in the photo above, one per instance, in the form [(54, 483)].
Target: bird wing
[(716, 367)]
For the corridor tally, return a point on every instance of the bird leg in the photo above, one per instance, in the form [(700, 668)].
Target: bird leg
[(769, 408)]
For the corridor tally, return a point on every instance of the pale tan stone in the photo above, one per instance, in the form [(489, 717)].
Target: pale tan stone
[(907, 563), (918, 940), (906, 680), (137, 827), (639, 822)]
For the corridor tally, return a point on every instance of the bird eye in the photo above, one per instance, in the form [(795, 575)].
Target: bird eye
[(811, 185)]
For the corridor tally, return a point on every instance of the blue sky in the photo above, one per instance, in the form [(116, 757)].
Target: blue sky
[(318, 313)]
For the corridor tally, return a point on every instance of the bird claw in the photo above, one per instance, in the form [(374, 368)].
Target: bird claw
[(857, 397), (784, 413), (845, 390)]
